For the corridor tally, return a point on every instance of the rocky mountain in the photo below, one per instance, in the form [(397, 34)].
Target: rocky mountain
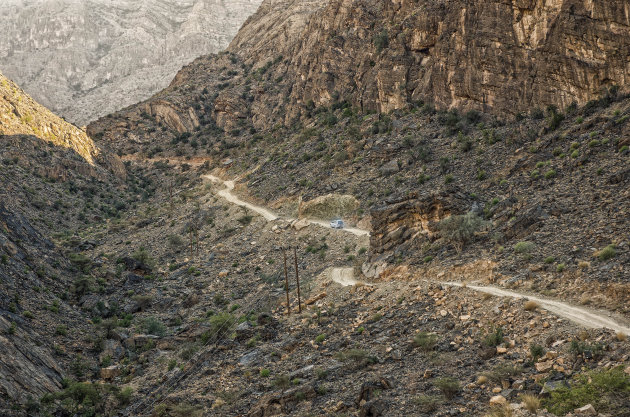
[(85, 59), (483, 269), (504, 58)]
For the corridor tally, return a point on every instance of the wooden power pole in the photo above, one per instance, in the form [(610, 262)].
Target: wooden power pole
[(297, 277), (286, 280)]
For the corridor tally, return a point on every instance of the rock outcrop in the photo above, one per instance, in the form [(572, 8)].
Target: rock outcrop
[(403, 225), (85, 59)]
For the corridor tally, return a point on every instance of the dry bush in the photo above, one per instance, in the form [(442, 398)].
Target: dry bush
[(500, 411), (482, 379), (531, 305), (621, 337), (584, 265), (531, 402)]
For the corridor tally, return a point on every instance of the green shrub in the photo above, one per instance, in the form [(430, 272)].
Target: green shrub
[(154, 326), (358, 356), (141, 255), (245, 220), (381, 41), (319, 339), (554, 117), (607, 390), (449, 387), (321, 373), (172, 364), (448, 179), (460, 229), (524, 247), (82, 262), (550, 259), (607, 253), (579, 348), (428, 403), (550, 174), (560, 267), (425, 341), (220, 326), (281, 381), (537, 351), (61, 330), (494, 337), (265, 373), (81, 286), (4, 259)]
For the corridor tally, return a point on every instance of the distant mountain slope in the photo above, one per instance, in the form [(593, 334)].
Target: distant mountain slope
[(84, 59)]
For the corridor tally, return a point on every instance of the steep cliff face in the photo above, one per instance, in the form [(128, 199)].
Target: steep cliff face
[(500, 56), (85, 59)]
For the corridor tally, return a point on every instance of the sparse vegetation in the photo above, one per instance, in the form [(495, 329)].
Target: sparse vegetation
[(524, 248), (449, 387), (425, 341), (500, 411), (607, 390), (428, 403), (153, 326), (494, 337), (537, 351), (607, 253)]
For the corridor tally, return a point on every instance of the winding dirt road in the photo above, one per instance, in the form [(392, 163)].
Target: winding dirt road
[(227, 194), (345, 276), (579, 315)]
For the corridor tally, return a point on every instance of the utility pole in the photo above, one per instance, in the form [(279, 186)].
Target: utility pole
[(190, 232), (197, 238), (170, 192), (286, 280), (297, 277)]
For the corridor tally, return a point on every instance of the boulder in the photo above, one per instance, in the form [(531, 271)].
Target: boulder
[(498, 400), (300, 224), (587, 410), (390, 167), (110, 372)]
